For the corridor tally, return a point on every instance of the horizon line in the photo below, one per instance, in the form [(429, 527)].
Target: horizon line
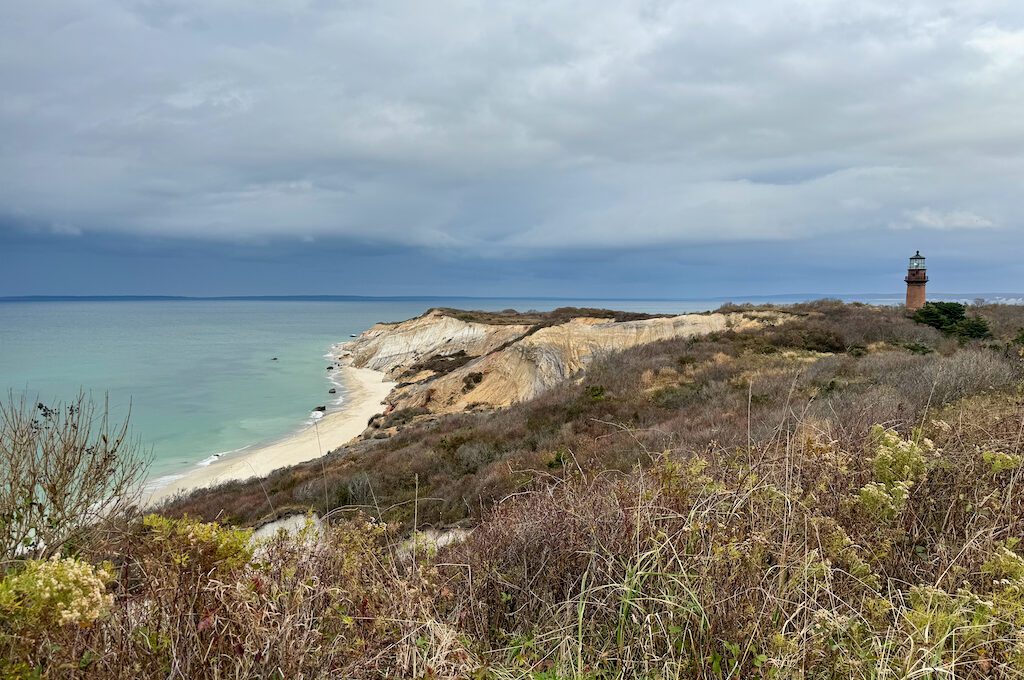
[(340, 298)]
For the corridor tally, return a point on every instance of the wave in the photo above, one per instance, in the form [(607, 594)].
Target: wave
[(214, 457), (160, 482)]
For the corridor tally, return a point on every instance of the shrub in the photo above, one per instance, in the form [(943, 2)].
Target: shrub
[(941, 315), (55, 592), (809, 336), (398, 417), (972, 328), (749, 563), (471, 380), (1000, 461), (727, 390), (66, 470), (898, 459), (324, 603), (734, 537), (208, 547), (1005, 321), (675, 396), (970, 371), (951, 318), (898, 465), (918, 348)]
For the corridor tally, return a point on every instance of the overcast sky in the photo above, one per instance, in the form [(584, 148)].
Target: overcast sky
[(668, 149)]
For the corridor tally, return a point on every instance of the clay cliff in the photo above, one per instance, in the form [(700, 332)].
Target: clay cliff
[(446, 361), (395, 347)]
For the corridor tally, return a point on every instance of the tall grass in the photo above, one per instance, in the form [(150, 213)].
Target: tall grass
[(790, 558), (855, 365), (764, 562), (776, 504)]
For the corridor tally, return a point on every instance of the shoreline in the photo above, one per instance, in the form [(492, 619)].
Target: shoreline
[(365, 391)]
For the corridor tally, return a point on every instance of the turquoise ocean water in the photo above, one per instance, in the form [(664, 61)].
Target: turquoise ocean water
[(198, 375)]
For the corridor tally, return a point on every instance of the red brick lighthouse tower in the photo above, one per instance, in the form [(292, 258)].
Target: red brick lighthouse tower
[(917, 277)]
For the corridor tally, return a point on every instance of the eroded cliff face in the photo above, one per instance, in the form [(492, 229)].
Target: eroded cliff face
[(395, 347), (444, 364)]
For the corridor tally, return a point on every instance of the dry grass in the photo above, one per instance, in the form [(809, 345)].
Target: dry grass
[(198, 601), (755, 561), (760, 562), (534, 318), (850, 363), (715, 508)]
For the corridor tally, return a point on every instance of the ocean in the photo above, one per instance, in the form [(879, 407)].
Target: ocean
[(198, 377)]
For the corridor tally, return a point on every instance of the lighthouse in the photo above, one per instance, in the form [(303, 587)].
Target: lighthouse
[(917, 278)]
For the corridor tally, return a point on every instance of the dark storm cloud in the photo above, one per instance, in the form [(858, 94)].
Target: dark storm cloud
[(499, 129)]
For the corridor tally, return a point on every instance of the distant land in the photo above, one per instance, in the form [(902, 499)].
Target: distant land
[(895, 295)]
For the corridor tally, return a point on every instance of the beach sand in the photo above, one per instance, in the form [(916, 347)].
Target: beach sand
[(365, 391)]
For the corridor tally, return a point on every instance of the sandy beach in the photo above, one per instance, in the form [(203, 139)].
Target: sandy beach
[(365, 391)]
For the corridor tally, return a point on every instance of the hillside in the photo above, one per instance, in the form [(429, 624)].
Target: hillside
[(444, 363), (845, 367), (827, 491)]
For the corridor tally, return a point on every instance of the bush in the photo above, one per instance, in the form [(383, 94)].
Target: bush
[(66, 471), (39, 594), (683, 394), (207, 547), (701, 567), (973, 328), (742, 513), (941, 315), (676, 396), (898, 465), (790, 558), (471, 380), (918, 348), (951, 318), (325, 603)]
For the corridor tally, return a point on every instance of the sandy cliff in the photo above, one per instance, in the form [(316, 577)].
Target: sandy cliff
[(445, 364), (394, 347)]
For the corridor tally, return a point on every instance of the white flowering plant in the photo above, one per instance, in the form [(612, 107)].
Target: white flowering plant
[(54, 592)]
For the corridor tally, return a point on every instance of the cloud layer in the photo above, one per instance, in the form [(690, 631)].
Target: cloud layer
[(496, 127)]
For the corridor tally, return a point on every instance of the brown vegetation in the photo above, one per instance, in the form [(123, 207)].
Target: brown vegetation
[(65, 470), (792, 558), (848, 365), (439, 364), (540, 319), (821, 500)]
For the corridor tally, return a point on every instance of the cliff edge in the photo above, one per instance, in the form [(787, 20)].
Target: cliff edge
[(448, 361)]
